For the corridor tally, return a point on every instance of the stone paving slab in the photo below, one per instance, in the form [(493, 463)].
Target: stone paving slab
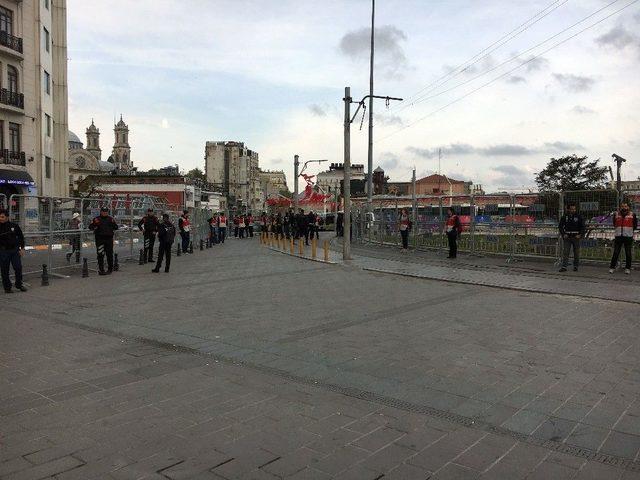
[(422, 358)]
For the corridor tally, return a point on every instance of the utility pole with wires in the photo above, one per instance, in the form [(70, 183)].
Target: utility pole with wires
[(370, 146), (348, 120)]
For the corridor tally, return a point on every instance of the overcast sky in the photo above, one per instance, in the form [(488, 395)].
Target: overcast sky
[(272, 73)]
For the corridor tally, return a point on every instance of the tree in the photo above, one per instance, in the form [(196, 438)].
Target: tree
[(572, 173), (196, 174)]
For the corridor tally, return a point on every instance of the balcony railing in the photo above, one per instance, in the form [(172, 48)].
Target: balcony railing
[(13, 99), (9, 157), (14, 43)]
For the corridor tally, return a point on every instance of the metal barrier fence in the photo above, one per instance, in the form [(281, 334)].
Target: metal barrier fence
[(513, 225), (53, 238)]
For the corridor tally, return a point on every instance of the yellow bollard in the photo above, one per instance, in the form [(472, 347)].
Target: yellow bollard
[(325, 246), (313, 248), (292, 249), (301, 247)]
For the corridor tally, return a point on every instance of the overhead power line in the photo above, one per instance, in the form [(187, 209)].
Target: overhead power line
[(490, 49), (515, 57), (510, 71)]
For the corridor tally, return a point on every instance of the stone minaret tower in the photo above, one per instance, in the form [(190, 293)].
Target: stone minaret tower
[(121, 149), (93, 141)]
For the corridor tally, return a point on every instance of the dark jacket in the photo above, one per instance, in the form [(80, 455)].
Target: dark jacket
[(571, 224), (103, 226), (150, 224), (11, 236), (166, 232)]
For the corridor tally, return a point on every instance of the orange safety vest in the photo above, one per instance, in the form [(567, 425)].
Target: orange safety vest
[(451, 222), (223, 221), (623, 225)]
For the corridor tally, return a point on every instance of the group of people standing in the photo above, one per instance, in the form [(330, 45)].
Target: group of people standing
[(453, 229), (292, 224)]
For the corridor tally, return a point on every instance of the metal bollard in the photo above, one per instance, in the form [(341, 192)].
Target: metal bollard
[(301, 246), (179, 250), (77, 256), (325, 246), (85, 268), (190, 247), (141, 259), (201, 244), (116, 264), (45, 275)]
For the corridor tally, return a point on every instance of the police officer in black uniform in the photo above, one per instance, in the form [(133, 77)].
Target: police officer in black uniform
[(11, 251), (149, 225), (166, 235), (104, 227)]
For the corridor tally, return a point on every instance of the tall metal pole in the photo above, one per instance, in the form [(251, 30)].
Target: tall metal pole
[(346, 240), (296, 164), (370, 150), (414, 204)]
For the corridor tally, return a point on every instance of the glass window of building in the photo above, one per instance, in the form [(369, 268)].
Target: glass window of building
[(46, 4), (14, 137), (47, 39), (48, 120), (47, 82), (12, 78), (47, 167), (6, 21), (1, 134)]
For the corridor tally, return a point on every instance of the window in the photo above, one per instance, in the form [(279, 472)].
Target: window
[(6, 21), (1, 134), (14, 137), (12, 78), (48, 121), (47, 82), (47, 167), (47, 39), (46, 4)]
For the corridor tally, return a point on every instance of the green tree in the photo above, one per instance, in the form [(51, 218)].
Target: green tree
[(197, 174), (572, 173)]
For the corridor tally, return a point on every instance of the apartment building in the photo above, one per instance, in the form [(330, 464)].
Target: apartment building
[(33, 97)]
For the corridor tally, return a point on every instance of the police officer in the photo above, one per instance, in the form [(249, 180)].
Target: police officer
[(11, 251), (166, 235), (625, 223), (149, 225), (104, 227), (572, 230)]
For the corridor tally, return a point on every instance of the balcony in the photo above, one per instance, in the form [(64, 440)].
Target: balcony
[(11, 42), (12, 99), (8, 157)]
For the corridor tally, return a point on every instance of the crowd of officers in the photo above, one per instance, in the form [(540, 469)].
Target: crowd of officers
[(292, 224)]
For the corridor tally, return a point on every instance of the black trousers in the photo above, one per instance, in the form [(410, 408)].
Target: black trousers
[(186, 237), (10, 258), (222, 233), (164, 251), (250, 227), (104, 247), (149, 241), (618, 243), (453, 244), (405, 238), (241, 232)]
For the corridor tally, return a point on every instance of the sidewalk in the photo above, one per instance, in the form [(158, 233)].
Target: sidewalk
[(530, 276)]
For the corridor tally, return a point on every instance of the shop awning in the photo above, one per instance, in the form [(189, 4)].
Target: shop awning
[(15, 177)]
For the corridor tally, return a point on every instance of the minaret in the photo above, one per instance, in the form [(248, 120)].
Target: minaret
[(121, 149), (93, 141)]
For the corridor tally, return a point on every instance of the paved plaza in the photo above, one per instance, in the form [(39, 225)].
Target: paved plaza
[(245, 363)]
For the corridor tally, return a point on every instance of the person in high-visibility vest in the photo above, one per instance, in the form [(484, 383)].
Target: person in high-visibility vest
[(250, 225), (453, 229), (222, 227), (625, 223), (404, 227), (242, 223)]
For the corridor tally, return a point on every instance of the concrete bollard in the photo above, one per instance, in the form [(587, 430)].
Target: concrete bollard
[(179, 250), (141, 259), (45, 275), (85, 268), (116, 265), (301, 246), (325, 247)]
